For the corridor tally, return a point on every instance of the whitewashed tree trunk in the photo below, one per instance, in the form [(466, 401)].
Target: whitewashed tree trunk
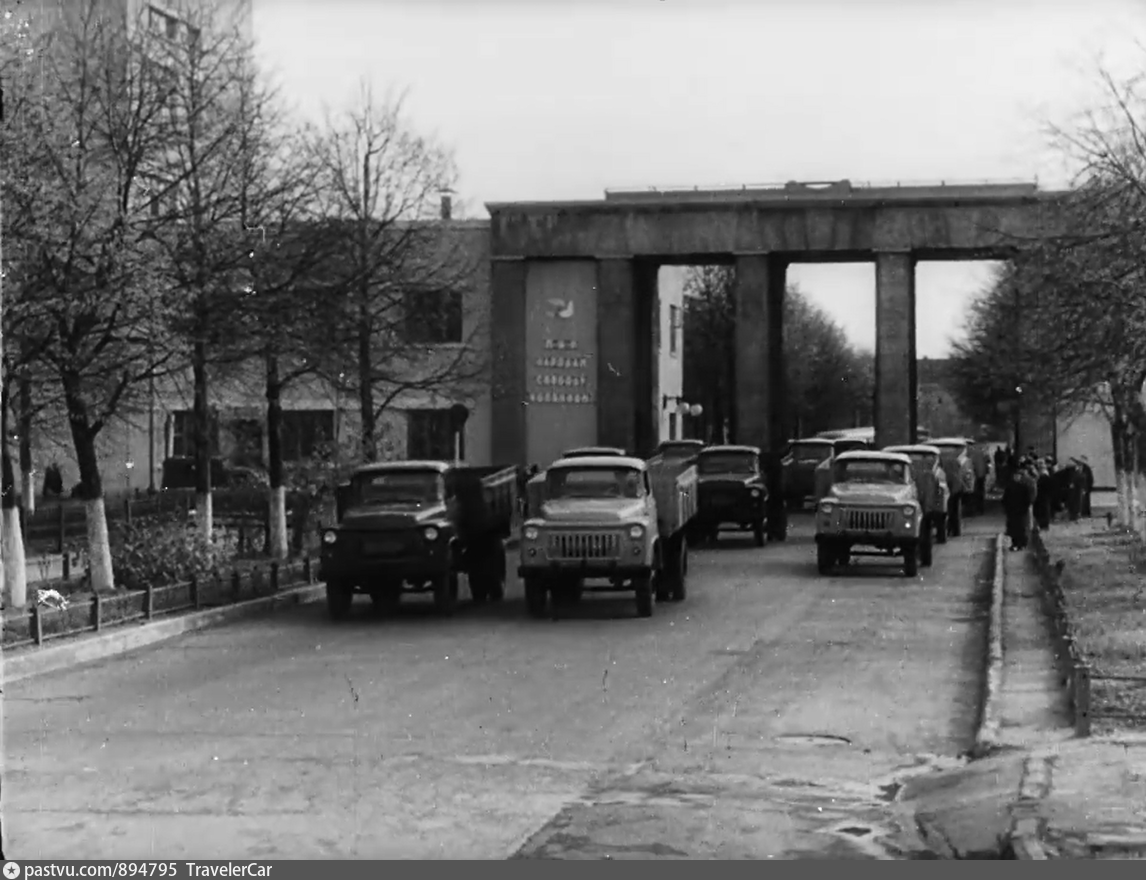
[(15, 563), (99, 545), (1132, 500), (1123, 498), (280, 544), (205, 515)]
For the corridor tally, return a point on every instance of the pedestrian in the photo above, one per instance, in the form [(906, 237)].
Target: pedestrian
[(1044, 497), (1017, 506), (1074, 482), (982, 465), (1087, 483)]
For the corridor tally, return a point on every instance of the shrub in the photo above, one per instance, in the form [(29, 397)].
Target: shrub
[(161, 551)]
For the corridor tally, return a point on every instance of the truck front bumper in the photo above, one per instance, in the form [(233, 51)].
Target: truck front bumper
[(364, 571), (585, 568), (881, 540)]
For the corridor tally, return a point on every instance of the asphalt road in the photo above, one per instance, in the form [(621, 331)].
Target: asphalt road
[(491, 735)]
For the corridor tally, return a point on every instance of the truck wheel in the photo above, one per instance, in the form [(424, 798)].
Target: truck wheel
[(446, 592), (778, 524), (339, 598), (911, 561), (479, 588), (825, 557), (679, 588), (643, 586), (536, 597), (758, 533), (955, 518), (497, 572), (925, 547), (940, 528)]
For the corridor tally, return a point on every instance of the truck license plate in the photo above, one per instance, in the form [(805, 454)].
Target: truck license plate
[(383, 548)]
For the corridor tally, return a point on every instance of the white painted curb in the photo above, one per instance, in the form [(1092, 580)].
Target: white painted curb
[(988, 733), (26, 663), (1025, 835)]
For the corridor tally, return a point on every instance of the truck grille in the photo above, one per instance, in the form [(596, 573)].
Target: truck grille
[(584, 545), (870, 520), (384, 544)]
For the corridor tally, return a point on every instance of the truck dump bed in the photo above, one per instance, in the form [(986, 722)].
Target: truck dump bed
[(486, 496), (674, 484)]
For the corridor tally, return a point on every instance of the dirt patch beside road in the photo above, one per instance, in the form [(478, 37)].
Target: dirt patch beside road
[(1104, 584)]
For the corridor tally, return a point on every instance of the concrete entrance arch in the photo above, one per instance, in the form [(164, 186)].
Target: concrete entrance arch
[(602, 257)]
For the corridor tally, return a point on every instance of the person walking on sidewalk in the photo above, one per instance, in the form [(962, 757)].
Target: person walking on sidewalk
[(1044, 497), (1017, 507)]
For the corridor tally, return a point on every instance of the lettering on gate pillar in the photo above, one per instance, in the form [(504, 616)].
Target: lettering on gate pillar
[(560, 358)]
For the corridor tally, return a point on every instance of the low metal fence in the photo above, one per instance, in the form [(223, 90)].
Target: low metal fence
[(94, 612), (1076, 672)]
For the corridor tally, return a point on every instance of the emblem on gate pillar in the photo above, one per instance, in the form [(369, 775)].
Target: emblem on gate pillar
[(561, 308)]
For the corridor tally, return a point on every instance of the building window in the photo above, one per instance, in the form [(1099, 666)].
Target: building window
[(674, 328), (433, 317), (183, 434), (429, 434), (247, 436), (672, 427), (305, 432), (193, 34)]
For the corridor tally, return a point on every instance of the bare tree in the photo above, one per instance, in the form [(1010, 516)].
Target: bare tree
[(214, 112), (88, 271), (398, 284)]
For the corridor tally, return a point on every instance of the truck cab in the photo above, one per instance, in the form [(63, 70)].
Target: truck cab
[(605, 518), (415, 526), (731, 491), (873, 503)]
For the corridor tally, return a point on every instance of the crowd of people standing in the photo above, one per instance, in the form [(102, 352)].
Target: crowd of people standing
[(1036, 488)]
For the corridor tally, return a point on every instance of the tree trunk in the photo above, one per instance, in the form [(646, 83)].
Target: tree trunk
[(278, 547), (91, 488), (366, 390), (15, 564), (1118, 438), (28, 475), (202, 420)]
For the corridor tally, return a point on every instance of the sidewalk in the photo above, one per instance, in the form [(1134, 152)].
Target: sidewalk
[(1077, 798)]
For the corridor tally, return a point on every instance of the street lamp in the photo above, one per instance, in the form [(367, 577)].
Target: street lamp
[(687, 409)]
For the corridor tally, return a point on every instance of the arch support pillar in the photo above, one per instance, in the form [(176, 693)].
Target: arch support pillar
[(760, 393), (896, 400)]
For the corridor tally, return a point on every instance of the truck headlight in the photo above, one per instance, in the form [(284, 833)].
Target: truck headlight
[(827, 507), (908, 510), (430, 533), (755, 493), (329, 537), (636, 532), (531, 533)]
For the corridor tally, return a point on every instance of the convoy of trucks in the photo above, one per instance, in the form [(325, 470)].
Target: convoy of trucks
[(601, 520)]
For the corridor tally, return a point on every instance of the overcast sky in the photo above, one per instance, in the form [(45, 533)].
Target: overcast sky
[(559, 100)]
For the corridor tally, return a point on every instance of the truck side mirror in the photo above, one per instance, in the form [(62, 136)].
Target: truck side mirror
[(341, 499)]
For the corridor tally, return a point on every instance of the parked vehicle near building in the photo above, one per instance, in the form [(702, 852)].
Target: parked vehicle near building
[(414, 527), (616, 520), (732, 491), (873, 503), (931, 483)]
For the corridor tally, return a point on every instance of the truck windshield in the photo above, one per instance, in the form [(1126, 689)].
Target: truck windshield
[(727, 463), (400, 487), (811, 452), (868, 471), (849, 445), (595, 483)]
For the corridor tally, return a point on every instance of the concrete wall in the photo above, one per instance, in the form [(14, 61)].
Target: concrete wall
[(670, 287)]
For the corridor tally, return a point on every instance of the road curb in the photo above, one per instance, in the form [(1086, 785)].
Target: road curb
[(987, 735), (34, 661)]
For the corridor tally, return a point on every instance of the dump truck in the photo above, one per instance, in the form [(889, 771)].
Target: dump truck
[(414, 527), (619, 521)]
